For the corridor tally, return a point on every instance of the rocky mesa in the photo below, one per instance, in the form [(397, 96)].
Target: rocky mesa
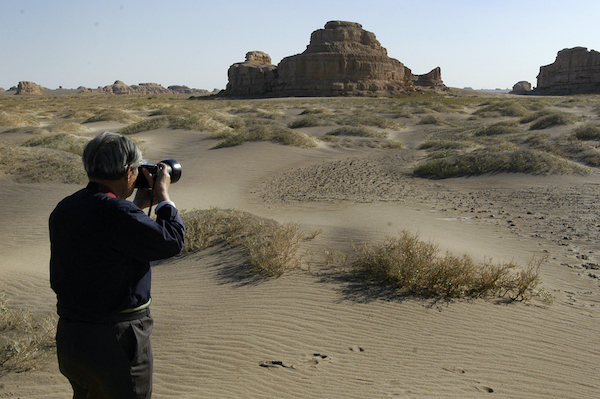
[(341, 59), (575, 71)]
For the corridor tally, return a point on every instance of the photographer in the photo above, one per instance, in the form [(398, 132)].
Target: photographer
[(101, 246)]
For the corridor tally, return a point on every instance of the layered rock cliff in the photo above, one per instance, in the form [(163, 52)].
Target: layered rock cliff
[(575, 71), (341, 59)]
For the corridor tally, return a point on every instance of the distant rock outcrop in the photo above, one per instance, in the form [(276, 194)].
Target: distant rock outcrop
[(522, 87), (575, 71), (342, 59), (432, 79), (29, 88), (255, 76), (145, 88), (187, 90)]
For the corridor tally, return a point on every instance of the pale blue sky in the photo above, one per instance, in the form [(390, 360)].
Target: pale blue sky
[(477, 43)]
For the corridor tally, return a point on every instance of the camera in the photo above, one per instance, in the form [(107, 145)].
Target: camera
[(173, 168)]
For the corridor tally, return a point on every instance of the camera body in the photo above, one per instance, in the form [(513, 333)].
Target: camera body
[(173, 168)]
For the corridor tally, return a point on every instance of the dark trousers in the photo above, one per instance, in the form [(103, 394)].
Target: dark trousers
[(106, 361)]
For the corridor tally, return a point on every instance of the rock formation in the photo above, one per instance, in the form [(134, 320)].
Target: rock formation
[(342, 59), (255, 76), (432, 79), (521, 87), (145, 88), (186, 90), (575, 71), (29, 88)]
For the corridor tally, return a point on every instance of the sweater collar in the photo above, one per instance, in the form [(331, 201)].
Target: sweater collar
[(101, 188)]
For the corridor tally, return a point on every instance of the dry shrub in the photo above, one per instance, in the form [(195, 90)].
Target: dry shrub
[(170, 111), (37, 164), (490, 160), (25, 339), (264, 132), (312, 120), (64, 142), (14, 119), (270, 247), (590, 131), (365, 118), (431, 120), (198, 121), (66, 127), (445, 145), (502, 108), (359, 131), (553, 119), (500, 128), (144, 125), (113, 114), (415, 266)]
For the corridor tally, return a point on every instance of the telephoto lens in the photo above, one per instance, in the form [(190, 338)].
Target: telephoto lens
[(173, 168)]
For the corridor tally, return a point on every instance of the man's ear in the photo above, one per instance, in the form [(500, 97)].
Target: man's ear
[(129, 174)]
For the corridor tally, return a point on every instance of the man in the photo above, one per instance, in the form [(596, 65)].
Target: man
[(101, 246)]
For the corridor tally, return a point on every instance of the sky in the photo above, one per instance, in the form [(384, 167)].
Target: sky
[(483, 44)]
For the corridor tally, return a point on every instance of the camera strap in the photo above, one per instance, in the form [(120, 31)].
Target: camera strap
[(151, 196)]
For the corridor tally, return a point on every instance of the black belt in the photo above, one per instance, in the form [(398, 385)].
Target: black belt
[(112, 319)]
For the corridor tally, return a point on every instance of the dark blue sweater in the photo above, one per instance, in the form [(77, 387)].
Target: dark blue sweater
[(101, 247)]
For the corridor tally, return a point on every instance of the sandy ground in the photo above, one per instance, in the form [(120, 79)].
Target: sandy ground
[(311, 334)]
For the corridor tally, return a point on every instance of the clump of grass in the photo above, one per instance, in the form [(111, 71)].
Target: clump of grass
[(197, 121), (14, 119), (113, 114), (145, 125), (311, 120), (357, 131), (500, 128), (445, 145), (63, 141), (416, 267), (502, 108), (535, 115), (431, 120), (270, 247), (170, 111), (590, 131), (363, 118), (265, 132), (315, 111), (77, 114), (553, 119), (36, 164), (66, 127), (485, 161), (25, 338)]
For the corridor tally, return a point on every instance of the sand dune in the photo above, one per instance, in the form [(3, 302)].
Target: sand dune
[(312, 334)]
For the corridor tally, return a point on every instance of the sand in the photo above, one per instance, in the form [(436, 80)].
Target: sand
[(310, 333)]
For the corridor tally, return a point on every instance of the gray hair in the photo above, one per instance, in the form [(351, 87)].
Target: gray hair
[(109, 155)]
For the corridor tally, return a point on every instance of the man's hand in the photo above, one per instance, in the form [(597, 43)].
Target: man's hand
[(161, 188)]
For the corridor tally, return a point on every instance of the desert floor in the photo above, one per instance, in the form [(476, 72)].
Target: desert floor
[(312, 334)]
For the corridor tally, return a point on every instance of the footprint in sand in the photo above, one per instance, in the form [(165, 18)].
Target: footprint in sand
[(313, 361)]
